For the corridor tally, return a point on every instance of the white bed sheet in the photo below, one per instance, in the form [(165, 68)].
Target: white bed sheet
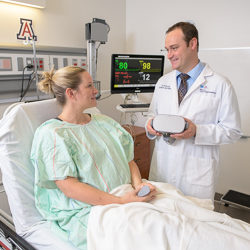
[(171, 221)]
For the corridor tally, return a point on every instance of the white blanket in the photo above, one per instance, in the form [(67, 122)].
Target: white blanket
[(171, 221)]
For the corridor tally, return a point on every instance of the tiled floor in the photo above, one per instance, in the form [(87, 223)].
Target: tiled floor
[(233, 212)]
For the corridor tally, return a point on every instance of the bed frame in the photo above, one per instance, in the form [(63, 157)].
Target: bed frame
[(9, 239)]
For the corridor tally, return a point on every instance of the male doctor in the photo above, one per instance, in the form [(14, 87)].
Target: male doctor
[(207, 101)]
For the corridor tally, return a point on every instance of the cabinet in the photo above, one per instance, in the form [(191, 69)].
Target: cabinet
[(141, 149)]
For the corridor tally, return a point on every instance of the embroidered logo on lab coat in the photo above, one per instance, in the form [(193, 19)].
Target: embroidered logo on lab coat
[(26, 31), (204, 89), (165, 87)]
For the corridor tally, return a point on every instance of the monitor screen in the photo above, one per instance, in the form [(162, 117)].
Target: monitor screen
[(135, 73)]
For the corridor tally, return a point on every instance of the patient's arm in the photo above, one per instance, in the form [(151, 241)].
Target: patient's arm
[(136, 180), (135, 174), (77, 190)]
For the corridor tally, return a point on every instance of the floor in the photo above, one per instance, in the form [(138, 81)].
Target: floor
[(233, 212)]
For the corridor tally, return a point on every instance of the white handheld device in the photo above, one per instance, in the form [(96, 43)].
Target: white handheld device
[(145, 190), (169, 124)]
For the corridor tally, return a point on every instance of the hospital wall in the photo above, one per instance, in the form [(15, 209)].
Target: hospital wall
[(224, 34), (62, 24)]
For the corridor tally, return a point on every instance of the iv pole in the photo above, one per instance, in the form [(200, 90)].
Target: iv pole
[(35, 64), (32, 42)]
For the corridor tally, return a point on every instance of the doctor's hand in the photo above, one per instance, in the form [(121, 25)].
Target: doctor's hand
[(151, 130), (188, 133)]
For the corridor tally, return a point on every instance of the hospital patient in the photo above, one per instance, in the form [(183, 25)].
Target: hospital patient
[(79, 158)]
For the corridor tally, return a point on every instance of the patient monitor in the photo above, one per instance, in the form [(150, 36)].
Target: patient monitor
[(169, 124)]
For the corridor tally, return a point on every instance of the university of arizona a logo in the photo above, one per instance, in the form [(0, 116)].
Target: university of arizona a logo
[(26, 31)]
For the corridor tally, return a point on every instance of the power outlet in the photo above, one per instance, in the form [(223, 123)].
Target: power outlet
[(29, 61)]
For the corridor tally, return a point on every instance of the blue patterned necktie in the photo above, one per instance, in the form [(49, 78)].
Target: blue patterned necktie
[(183, 87)]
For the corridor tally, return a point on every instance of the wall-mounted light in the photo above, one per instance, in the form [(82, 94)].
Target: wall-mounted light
[(31, 3)]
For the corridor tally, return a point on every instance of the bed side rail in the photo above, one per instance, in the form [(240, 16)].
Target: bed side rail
[(9, 240)]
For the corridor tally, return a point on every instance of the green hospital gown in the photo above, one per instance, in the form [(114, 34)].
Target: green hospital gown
[(96, 153)]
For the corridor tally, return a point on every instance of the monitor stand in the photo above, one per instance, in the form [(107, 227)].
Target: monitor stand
[(129, 97), (135, 98), (137, 107)]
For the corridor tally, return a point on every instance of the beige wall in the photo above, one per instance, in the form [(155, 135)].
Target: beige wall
[(62, 24)]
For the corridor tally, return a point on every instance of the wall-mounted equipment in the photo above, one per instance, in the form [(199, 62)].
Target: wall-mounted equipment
[(17, 67), (97, 31)]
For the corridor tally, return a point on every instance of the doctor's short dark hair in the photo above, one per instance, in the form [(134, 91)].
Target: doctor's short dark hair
[(189, 31), (56, 82)]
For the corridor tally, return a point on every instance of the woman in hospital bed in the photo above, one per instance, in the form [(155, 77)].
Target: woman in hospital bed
[(79, 158), (82, 161)]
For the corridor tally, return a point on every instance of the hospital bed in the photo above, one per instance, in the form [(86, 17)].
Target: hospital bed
[(17, 128), (172, 221)]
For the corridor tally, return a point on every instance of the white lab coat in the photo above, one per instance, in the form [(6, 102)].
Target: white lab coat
[(192, 165)]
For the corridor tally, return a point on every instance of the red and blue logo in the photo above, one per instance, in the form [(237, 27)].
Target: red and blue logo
[(26, 31)]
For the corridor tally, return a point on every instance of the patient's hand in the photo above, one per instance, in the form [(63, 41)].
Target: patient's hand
[(132, 196), (77, 190), (152, 188)]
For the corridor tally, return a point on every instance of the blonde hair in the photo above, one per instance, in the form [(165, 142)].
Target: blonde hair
[(57, 82)]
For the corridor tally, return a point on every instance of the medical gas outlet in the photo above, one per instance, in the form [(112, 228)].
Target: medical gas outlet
[(30, 62)]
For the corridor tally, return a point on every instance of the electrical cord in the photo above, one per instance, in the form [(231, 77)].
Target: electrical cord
[(28, 86), (131, 131), (29, 67), (133, 118), (22, 81), (104, 97)]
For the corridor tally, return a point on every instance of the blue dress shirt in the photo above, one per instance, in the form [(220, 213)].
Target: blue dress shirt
[(194, 73)]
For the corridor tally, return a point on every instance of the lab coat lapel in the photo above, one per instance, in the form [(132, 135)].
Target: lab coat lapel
[(200, 80), (174, 90)]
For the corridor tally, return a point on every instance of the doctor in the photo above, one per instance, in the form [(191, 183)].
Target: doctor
[(209, 106)]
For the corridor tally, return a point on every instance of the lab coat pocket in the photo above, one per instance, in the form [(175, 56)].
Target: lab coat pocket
[(200, 171), (156, 165), (206, 108)]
